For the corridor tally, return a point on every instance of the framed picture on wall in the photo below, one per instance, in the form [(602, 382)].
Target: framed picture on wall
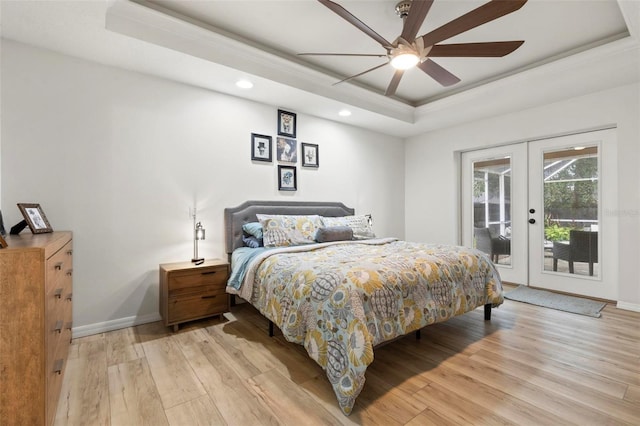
[(287, 179), (310, 155), (35, 218), (287, 123), (286, 150), (261, 147)]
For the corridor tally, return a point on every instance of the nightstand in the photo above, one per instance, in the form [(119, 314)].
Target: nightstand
[(189, 292)]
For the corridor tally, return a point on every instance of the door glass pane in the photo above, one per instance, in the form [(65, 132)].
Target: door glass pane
[(571, 211), (492, 208)]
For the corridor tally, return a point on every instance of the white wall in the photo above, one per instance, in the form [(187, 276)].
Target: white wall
[(119, 157), (431, 189)]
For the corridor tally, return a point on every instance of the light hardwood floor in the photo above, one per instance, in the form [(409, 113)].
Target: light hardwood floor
[(527, 366)]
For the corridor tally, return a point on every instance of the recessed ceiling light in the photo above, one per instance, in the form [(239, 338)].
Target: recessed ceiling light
[(344, 113), (244, 84)]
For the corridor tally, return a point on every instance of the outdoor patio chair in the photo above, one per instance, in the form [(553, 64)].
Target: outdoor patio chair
[(582, 247), (494, 246)]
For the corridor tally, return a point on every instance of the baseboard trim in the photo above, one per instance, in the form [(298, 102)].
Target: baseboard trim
[(628, 306), (102, 327)]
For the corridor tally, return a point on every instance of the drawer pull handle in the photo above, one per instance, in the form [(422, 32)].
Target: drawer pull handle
[(70, 272), (58, 266), (208, 273), (58, 326), (69, 325), (209, 297), (57, 367), (58, 293), (69, 252), (70, 296)]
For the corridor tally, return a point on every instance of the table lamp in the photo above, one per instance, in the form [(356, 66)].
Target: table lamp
[(198, 234)]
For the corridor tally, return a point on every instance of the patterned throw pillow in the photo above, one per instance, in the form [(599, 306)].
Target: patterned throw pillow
[(289, 230), (360, 224)]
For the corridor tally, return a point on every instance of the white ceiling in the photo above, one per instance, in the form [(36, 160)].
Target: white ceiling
[(292, 27), (571, 47)]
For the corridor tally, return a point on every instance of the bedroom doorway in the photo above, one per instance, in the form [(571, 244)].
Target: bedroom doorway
[(539, 209)]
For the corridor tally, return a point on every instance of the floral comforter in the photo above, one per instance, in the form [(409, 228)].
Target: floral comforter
[(340, 300)]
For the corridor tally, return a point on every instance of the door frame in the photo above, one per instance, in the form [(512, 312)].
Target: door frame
[(606, 285)]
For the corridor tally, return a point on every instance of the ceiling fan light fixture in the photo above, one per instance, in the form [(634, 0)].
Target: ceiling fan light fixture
[(404, 61)]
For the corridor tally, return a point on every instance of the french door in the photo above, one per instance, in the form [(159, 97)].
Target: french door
[(539, 209)]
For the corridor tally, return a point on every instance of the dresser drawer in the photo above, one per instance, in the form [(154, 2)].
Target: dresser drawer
[(59, 267), (58, 331), (54, 373), (198, 305), (203, 279)]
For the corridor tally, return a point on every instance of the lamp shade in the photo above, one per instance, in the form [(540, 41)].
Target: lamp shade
[(199, 231)]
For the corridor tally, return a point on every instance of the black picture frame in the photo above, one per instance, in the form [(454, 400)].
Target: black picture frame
[(310, 155), (35, 218), (287, 122), (286, 150), (287, 178), (261, 148)]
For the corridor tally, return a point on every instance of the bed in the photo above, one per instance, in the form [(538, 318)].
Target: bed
[(340, 299)]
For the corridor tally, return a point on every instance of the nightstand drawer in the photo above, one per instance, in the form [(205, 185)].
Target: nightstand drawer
[(204, 279), (189, 291), (198, 306)]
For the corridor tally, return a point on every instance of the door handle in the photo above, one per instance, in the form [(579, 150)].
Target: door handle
[(532, 221)]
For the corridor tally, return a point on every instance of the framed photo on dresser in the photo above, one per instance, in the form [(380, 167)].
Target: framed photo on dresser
[(35, 218)]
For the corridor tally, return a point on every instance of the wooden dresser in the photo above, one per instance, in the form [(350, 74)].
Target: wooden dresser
[(189, 291), (35, 325)]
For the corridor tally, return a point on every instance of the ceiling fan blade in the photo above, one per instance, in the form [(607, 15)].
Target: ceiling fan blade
[(393, 85), (483, 14), (494, 49), (343, 54), (347, 16), (362, 73), (417, 13), (438, 73)]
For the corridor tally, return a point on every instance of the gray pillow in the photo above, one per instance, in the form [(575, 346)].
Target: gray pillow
[(334, 233)]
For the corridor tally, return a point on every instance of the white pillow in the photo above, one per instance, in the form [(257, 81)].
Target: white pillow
[(359, 224)]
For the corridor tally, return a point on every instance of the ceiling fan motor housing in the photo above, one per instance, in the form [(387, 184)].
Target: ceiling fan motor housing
[(402, 8)]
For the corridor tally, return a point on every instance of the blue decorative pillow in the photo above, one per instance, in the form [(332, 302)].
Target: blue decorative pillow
[(252, 241), (253, 228)]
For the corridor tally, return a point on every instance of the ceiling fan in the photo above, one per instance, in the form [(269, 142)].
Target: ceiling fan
[(407, 51)]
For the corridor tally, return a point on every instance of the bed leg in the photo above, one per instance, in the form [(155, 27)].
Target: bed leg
[(417, 334), (270, 328), (487, 312), (233, 300)]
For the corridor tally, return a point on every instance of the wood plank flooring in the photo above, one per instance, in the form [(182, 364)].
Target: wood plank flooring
[(527, 366)]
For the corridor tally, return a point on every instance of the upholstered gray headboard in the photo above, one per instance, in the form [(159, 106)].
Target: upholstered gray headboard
[(235, 217)]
